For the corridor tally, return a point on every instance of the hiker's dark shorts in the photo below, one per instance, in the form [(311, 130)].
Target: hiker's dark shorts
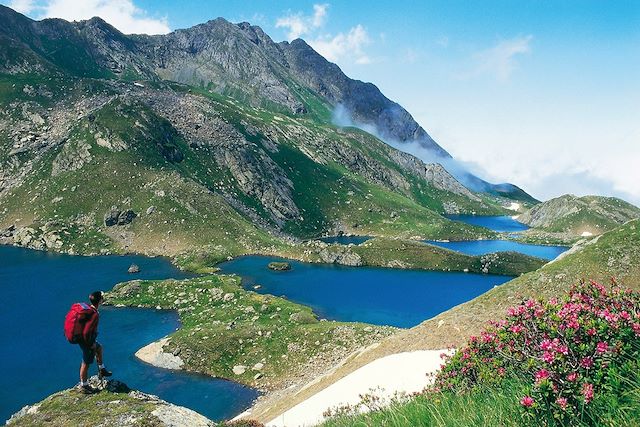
[(89, 352)]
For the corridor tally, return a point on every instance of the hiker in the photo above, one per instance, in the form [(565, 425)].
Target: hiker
[(81, 327)]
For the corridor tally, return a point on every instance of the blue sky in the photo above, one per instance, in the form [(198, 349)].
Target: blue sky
[(544, 94)]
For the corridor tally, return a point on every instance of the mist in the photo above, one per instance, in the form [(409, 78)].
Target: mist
[(467, 173)]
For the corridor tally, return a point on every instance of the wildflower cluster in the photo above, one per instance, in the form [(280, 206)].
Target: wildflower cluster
[(566, 352)]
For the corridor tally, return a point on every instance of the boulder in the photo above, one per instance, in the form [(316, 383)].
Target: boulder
[(133, 268), (116, 216)]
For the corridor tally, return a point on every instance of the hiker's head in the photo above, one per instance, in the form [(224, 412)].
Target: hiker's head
[(95, 298)]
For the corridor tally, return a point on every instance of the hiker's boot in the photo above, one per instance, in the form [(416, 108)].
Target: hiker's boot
[(87, 389), (102, 372)]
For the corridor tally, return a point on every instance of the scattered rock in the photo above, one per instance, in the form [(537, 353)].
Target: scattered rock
[(133, 268), (239, 369)]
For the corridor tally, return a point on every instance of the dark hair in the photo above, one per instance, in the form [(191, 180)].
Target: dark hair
[(95, 297)]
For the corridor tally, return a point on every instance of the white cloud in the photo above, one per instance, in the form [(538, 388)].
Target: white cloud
[(500, 60), (342, 45), (22, 6), (299, 24), (122, 14)]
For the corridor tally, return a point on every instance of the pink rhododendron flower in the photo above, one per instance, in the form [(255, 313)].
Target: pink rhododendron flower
[(562, 402), (541, 375), (516, 329), (587, 392), (586, 363), (572, 377), (602, 347), (527, 401), (548, 357)]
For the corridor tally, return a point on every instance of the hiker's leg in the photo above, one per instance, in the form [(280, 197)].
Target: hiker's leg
[(99, 354), (84, 372)]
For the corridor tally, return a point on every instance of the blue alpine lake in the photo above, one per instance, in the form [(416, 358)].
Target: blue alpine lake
[(381, 296), (345, 240), (495, 223), (36, 360), (481, 247), (500, 224)]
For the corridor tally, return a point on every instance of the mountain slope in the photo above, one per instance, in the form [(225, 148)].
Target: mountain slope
[(591, 215), (238, 60), (184, 166)]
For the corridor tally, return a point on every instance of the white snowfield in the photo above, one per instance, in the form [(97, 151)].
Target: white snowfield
[(514, 206), (394, 375)]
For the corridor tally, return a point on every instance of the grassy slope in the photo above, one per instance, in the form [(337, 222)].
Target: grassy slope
[(615, 253), (493, 405), (186, 214), (246, 328)]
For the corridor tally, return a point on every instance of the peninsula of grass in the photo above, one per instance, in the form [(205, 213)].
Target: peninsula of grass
[(412, 254), (259, 340)]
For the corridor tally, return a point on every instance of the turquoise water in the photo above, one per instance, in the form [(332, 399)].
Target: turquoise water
[(481, 247), (495, 223), (381, 296), (345, 240), (36, 360)]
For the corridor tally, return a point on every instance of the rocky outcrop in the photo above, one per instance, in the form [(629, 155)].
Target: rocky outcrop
[(337, 254), (154, 354), (72, 157), (40, 238), (116, 216), (130, 408)]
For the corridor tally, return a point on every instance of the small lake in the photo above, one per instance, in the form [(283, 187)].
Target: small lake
[(37, 290), (482, 247), (495, 223), (381, 296), (345, 240)]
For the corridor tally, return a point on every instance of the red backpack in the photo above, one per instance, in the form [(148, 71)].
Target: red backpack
[(81, 324)]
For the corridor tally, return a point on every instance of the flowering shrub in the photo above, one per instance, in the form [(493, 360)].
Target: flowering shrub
[(567, 352)]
